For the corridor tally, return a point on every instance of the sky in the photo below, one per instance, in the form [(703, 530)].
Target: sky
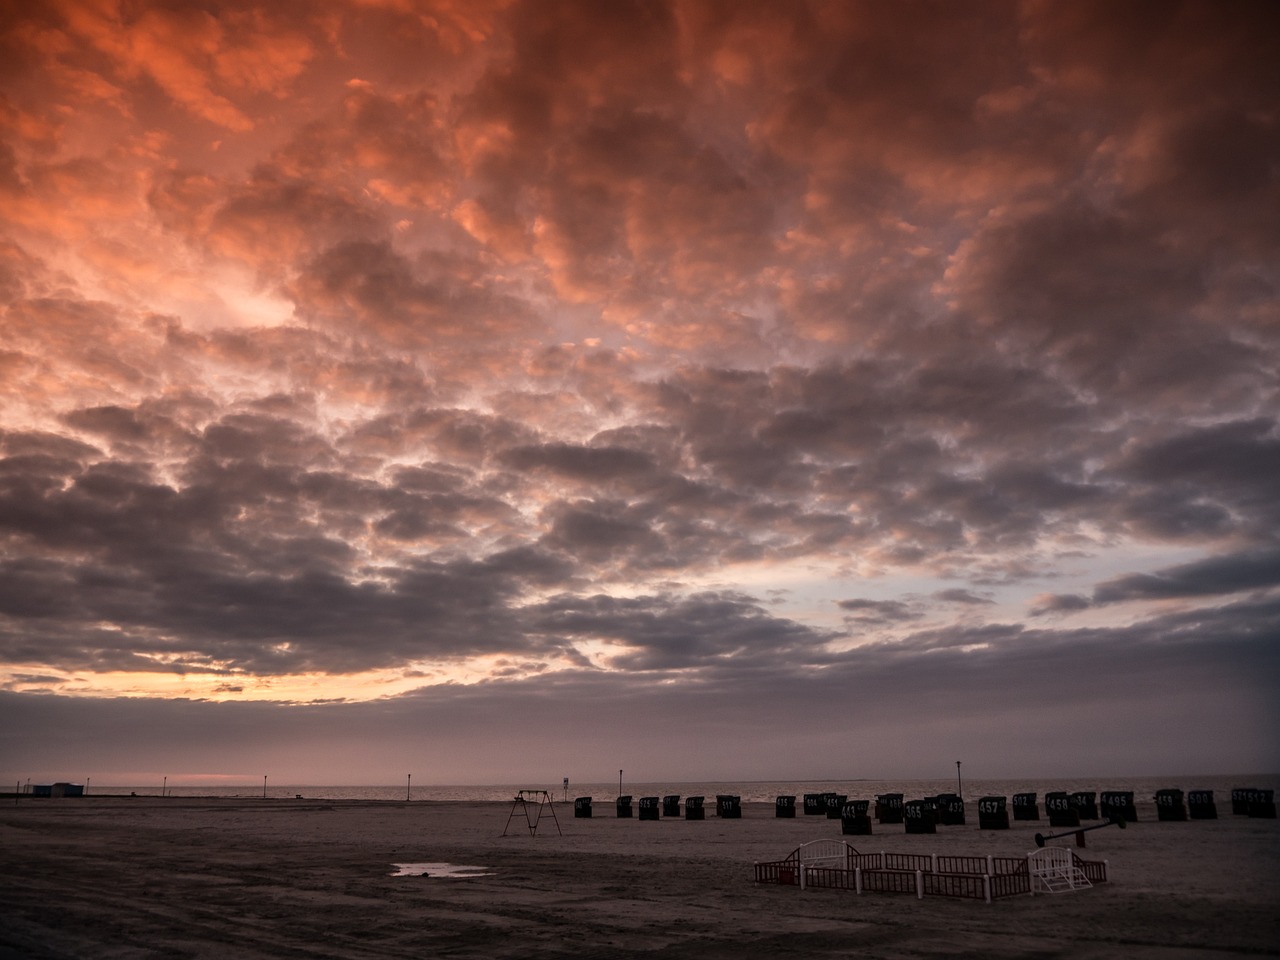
[(499, 391)]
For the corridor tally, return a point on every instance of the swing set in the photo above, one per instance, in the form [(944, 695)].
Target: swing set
[(532, 803)]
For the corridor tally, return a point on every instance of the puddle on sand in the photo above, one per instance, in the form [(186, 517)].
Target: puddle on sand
[(446, 871)]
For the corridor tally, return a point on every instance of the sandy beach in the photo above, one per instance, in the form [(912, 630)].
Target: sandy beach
[(149, 877)]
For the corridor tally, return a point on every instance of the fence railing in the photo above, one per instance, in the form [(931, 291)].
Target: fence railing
[(974, 878)]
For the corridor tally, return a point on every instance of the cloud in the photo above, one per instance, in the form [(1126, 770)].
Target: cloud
[(529, 350), (583, 463), (590, 722), (711, 631), (1050, 603), (372, 288), (198, 59), (966, 597), (1215, 576), (874, 612)]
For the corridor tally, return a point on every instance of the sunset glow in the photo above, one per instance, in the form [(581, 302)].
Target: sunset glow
[(373, 373)]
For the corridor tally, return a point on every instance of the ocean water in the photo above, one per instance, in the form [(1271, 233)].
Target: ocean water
[(752, 791)]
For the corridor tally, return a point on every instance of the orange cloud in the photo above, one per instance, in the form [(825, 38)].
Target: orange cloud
[(191, 53)]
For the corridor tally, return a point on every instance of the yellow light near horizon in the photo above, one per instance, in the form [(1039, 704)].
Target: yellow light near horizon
[(288, 688)]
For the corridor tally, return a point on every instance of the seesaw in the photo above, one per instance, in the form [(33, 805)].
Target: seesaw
[(1079, 834)]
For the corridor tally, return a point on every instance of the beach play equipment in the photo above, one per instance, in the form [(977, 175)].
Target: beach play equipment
[(1118, 805), (1055, 870), (582, 808), (784, 807), (649, 808), (1200, 805), (624, 807), (889, 807), (854, 820), (1041, 839), (1025, 807), (1169, 805), (1061, 809), (532, 804), (693, 808), (729, 807), (671, 805), (992, 814), (835, 864)]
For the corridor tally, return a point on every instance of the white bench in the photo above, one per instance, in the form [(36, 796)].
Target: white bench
[(1053, 870), (835, 854)]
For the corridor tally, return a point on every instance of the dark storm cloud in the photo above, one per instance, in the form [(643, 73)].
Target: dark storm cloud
[(1221, 575), (1206, 481), (873, 612), (583, 463), (408, 304), (956, 595), (721, 633), (1058, 603)]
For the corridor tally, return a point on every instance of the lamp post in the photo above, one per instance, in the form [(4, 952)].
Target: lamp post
[(959, 790)]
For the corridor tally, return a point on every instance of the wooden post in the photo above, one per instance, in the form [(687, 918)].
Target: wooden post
[(407, 786)]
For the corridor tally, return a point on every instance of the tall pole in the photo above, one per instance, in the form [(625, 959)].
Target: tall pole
[(407, 785), (163, 785), (264, 786), (619, 783), (959, 791)]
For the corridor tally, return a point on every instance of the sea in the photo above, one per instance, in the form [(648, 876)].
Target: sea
[(748, 791)]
